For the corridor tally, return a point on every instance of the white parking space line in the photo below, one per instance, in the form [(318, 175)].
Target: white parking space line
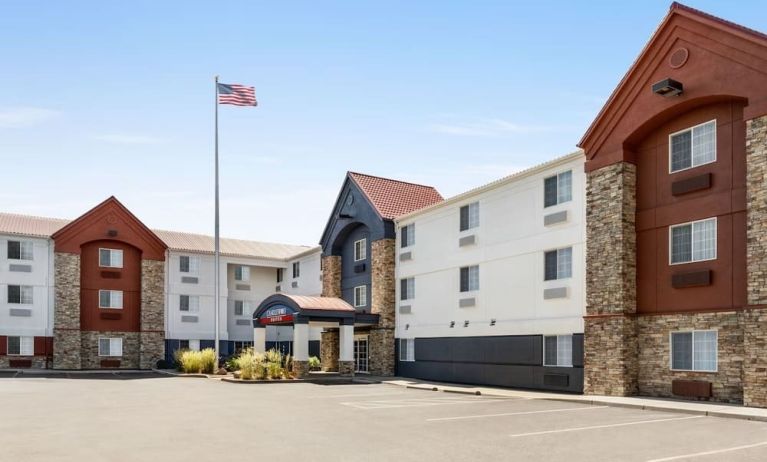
[(355, 395), (709, 453), (595, 427), (416, 402), (569, 409)]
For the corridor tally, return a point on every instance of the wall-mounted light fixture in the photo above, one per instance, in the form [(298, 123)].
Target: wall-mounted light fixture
[(492, 322), (452, 324), (668, 87), (407, 326), (466, 324)]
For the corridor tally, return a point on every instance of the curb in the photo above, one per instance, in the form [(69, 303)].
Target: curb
[(255, 382), (593, 402)]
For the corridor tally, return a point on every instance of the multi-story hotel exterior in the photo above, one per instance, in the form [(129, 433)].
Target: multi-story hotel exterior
[(677, 218), (105, 291), (490, 283)]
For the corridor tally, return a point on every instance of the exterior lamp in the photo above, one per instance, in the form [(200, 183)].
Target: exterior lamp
[(667, 87)]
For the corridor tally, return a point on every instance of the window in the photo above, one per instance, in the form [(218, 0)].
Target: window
[(189, 303), (21, 346), (239, 346), (20, 295), (695, 241), (111, 258), (242, 273), (241, 308), (296, 269), (360, 249), (469, 278), (407, 349), (111, 299), (19, 250), (558, 350), (558, 264), (110, 346), (183, 344), (558, 189), (470, 216), (360, 296), (694, 351), (187, 264), (407, 235), (279, 275), (407, 288), (692, 147), (193, 344)]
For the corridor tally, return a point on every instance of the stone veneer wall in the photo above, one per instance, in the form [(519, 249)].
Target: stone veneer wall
[(331, 276), (610, 355), (329, 350), (152, 338), (382, 303), (655, 374), (66, 316), (755, 321), (90, 349), (38, 362)]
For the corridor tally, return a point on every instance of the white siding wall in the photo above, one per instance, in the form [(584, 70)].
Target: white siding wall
[(511, 241), (40, 323)]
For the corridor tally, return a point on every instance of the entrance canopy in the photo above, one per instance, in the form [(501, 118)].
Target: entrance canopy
[(283, 309)]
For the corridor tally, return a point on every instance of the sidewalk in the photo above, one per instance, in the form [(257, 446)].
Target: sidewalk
[(732, 411)]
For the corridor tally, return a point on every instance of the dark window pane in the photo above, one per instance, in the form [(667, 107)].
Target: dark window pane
[(105, 257), (551, 350), (14, 250), (14, 294), (550, 261), (403, 289), (465, 279), (184, 303), (279, 274), (550, 191), (681, 151), (296, 269), (681, 244), (464, 218), (184, 264), (104, 298), (681, 350), (183, 344)]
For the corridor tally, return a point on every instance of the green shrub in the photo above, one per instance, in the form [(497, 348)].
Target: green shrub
[(207, 360), (314, 362)]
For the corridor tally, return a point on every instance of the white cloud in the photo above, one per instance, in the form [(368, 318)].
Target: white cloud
[(127, 138), (488, 127), (18, 117)]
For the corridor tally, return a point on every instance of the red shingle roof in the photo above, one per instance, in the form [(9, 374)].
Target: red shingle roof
[(393, 198)]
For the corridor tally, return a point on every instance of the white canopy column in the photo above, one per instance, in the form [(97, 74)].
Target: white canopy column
[(259, 339)]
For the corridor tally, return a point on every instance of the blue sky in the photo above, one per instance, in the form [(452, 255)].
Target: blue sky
[(116, 98)]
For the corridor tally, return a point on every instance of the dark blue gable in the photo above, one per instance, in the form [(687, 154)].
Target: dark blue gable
[(352, 210)]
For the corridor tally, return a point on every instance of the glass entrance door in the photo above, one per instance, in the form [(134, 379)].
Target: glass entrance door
[(361, 354)]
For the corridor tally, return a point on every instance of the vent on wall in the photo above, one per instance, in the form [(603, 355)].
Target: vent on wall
[(359, 268), (556, 380), (467, 240), (555, 218)]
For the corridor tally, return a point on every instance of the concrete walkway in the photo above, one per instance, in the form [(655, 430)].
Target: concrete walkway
[(733, 411)]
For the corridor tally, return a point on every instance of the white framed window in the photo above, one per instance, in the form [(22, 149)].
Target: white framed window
[(360, 249), (188, 264), (694, 351), (112, 299), (692, 147), (279, 275), (296, 269), (241, 308), (558, 350), (558, 189), (693, 241), (20, 295), (110, 346), (407, 235), (110, 258), (407, 349), (20, 250), (21, 346), (558, 264), (469, 278), (469, 216), (189, 303), (242, 273), (407, 289), (360, 296)]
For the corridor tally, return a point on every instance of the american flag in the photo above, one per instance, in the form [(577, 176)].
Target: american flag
[(238, 95)]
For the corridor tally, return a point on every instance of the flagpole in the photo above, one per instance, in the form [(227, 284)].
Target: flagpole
[(217, 297)]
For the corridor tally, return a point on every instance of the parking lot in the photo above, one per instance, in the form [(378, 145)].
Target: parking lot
[(126, 418)]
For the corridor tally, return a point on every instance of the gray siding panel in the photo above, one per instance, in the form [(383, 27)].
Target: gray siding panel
[(506, 361)]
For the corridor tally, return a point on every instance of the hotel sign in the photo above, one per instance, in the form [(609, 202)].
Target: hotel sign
[(277, 315)]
